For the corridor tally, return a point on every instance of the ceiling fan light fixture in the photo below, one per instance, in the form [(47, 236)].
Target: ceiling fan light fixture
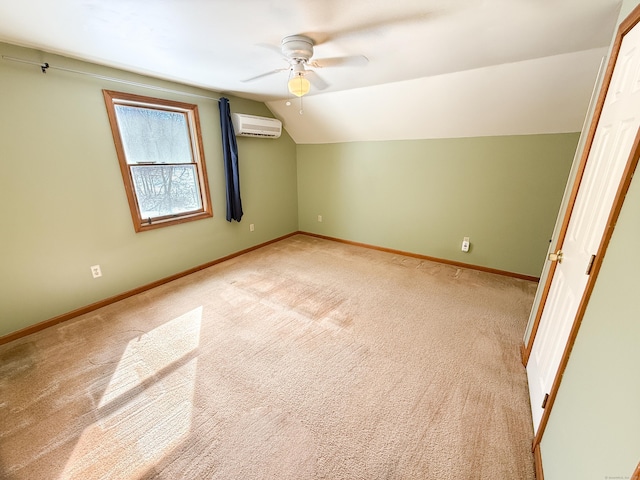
[(299, 86)]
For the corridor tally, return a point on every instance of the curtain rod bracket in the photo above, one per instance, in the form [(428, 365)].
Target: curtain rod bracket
[(44, 67)]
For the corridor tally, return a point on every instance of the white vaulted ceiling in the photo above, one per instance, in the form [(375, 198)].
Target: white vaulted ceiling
[(437, 68)]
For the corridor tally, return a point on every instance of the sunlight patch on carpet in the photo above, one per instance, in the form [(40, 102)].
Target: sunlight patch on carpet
[(146, 410)]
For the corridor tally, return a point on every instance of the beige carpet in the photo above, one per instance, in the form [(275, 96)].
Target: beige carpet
[(305, 359)]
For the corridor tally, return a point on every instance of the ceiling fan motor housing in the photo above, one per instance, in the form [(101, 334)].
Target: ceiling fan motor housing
[(297, 47)]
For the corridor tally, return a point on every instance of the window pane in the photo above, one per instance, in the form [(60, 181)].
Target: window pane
[(166, 189), (161, 156), (153, 136)]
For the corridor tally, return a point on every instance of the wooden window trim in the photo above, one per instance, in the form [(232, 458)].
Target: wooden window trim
[(140, 224)]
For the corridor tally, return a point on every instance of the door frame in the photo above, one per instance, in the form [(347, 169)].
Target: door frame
[(625, 27)]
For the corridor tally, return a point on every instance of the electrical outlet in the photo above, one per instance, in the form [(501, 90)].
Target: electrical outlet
[(319, 218), (251, 227), (95, 271), (465, 244)]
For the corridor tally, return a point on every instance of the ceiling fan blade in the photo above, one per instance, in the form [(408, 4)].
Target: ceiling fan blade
[(262, 75), (348, 61), (320, 37), (275, 49), (316, 80)]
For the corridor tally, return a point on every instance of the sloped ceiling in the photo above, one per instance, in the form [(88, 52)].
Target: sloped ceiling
[(437, 68)]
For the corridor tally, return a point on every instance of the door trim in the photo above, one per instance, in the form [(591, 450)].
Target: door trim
[(537, 462), (621, 193), (625, 27)]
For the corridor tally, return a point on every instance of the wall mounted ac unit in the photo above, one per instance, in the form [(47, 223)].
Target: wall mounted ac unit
[(253, 126)]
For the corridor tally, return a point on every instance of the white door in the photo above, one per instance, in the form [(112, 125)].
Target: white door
[(612, 144)]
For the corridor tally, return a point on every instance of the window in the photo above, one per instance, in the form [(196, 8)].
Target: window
[(159, 148)]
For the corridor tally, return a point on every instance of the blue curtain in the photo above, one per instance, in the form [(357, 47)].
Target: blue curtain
[(230, 152)]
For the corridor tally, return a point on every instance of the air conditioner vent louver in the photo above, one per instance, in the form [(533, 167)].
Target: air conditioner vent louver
[(254, 126)]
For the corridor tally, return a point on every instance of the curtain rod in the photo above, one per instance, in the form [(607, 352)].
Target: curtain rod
[(45, 66)]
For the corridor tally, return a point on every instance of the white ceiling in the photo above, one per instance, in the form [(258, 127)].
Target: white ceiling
[(438, 68)]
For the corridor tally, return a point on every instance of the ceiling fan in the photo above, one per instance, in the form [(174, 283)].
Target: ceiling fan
[(297, 50)]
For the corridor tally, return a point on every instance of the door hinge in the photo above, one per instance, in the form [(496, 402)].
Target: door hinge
[(590, 266), (544, 402)]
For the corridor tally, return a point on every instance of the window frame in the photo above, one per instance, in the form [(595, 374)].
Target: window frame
[(113, 98)]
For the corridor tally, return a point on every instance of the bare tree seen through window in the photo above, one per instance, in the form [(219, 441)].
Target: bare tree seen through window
[(159, 155)]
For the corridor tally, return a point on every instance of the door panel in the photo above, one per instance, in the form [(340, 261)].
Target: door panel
[(610, 150)]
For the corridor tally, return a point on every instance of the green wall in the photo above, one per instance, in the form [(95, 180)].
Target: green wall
[(592, 433), (424, 196), (62, 200)]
